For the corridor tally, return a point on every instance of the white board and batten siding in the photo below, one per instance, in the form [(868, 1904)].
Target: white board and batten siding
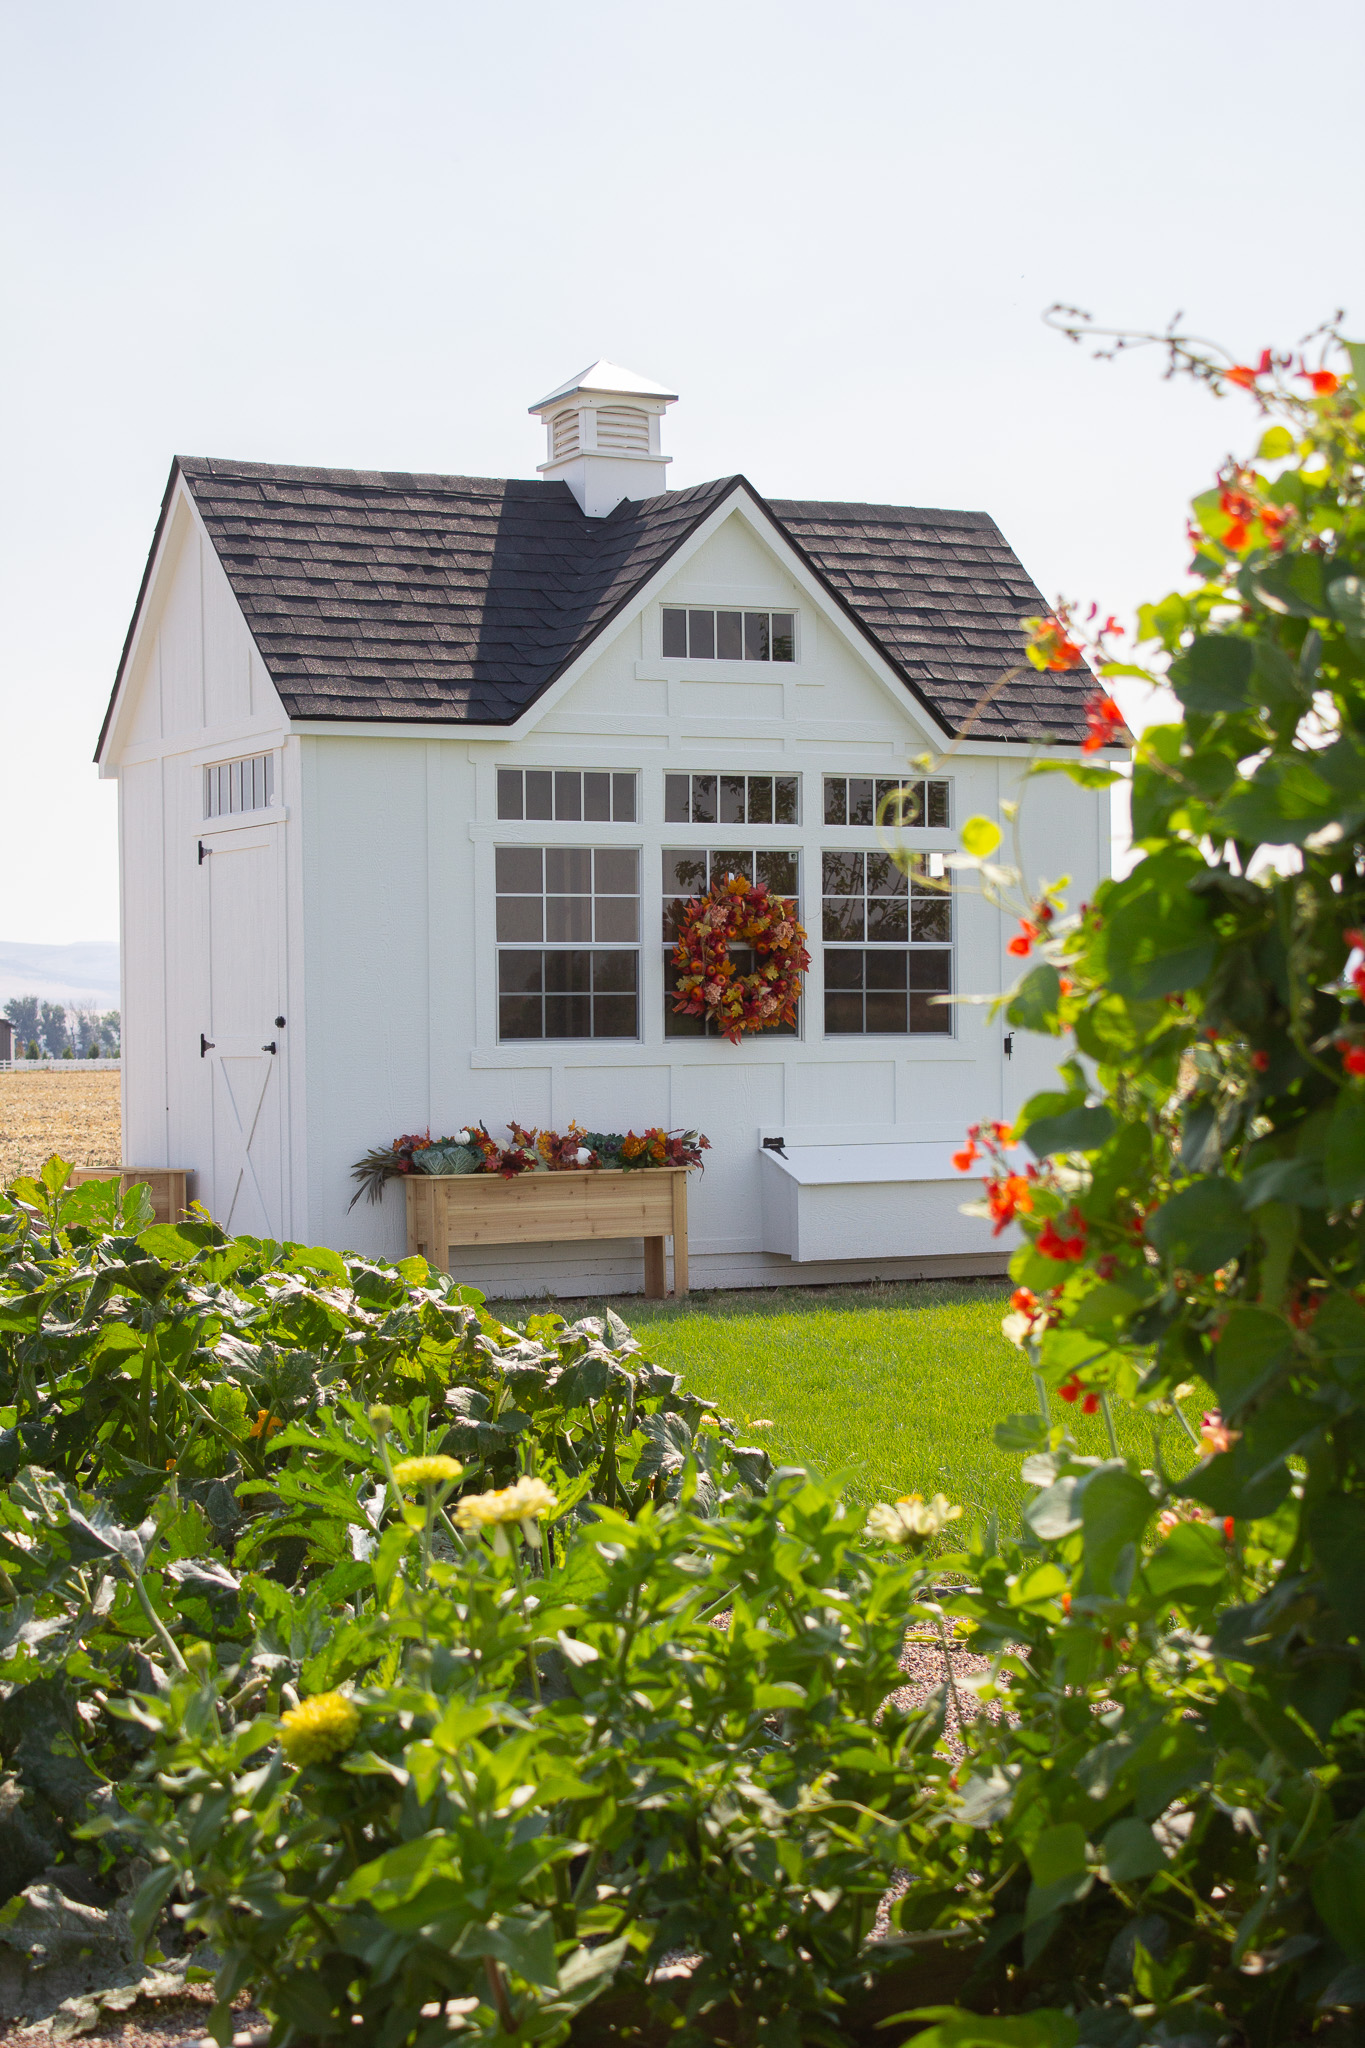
[(360, 906), (205, 941), (399, 918)]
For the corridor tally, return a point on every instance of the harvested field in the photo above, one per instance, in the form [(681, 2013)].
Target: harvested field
[(76, 1115)]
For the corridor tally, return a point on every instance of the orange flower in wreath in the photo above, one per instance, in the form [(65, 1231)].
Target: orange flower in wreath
[(736, 912)]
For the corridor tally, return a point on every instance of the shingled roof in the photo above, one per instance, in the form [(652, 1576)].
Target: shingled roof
[(383, 596)]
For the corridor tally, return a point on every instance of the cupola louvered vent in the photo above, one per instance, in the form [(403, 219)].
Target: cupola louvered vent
[(602, 437), (564, 428), (623, 430)]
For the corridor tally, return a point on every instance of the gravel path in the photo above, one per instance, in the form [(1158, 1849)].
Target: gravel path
[(175, 2024)]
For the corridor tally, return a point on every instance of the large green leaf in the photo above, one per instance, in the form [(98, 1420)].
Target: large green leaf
[(1253, 1347), (1344, 1163), (1339, 1890), (1191, 1558), (1346, 597), (1034, 1004), (1291, 584), (1082, 1129), (1057, 1853), (958, 2029), (1215, 674), (1158, 938), (1131, 1850), (1115, 1509), (1336, 1529), (1285, 802), (1201, 1227)]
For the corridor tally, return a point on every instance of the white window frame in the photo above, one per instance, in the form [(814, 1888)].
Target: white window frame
[(264, 780)]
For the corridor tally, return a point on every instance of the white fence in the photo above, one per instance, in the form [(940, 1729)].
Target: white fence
[(47, 1066)]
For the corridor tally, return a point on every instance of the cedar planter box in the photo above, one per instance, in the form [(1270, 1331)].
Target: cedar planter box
[(447, 1211), (165, 1185)]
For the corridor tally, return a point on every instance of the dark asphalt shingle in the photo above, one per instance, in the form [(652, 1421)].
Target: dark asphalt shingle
[(381, 596)]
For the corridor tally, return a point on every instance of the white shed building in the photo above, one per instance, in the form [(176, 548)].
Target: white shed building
[(414, 770)]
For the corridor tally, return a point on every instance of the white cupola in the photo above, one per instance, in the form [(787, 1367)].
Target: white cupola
[(602, 437)]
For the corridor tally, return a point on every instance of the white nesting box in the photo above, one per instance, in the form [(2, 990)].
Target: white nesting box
[(855, 1192)]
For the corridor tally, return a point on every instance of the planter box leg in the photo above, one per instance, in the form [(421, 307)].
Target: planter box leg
[(680, 1233), (656, 1280)]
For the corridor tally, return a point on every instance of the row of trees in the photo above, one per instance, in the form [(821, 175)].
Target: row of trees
[(61, 1033)]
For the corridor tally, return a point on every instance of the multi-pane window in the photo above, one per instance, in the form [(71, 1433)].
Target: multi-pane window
[(567, 795), (245, 785), (689, 872), (887, 945), (731, 799), (568, 925), (858, 800), (709, 635)]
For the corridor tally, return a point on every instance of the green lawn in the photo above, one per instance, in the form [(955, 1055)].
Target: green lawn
[(898, 1387)]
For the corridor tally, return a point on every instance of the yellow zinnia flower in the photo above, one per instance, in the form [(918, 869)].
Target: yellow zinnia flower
[(911, 1519), (319, 1729), (433, 1470), (524, 1503)]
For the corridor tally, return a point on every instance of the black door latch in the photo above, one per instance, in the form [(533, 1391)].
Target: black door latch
[(1009, 1045), (204, 852), (269, 1048), (205, 1045)]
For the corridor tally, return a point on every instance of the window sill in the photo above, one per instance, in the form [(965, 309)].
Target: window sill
[(238, 821)]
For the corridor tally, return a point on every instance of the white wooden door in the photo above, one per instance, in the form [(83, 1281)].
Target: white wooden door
[(242, 1043)]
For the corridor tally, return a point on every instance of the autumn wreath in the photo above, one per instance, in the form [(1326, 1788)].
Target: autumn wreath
[(736, 912)]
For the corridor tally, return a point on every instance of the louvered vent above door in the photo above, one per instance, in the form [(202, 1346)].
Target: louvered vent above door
[(622, 430), (565, 431)]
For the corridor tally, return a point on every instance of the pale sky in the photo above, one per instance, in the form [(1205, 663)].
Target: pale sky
[(371, 236)]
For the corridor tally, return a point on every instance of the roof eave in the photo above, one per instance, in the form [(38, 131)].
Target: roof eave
[(153, 555)]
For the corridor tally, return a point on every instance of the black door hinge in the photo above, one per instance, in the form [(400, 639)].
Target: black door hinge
[(204, 852), (205, 1045), (1009, 1045)]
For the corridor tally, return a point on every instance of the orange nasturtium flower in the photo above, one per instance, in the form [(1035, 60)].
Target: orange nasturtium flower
[(1050, 644), (1245, 375), (1324, 382), (1053, 1244), (1104, 723), (1006, 1198)]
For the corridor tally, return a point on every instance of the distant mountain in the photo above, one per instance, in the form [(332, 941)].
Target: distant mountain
[(84, 974)]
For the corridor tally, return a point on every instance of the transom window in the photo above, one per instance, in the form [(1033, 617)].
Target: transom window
[(731, 799), (567, 795), (689, 872), (858, 800), (709, 635), (568, 926), (901, 926), (244, 785)]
